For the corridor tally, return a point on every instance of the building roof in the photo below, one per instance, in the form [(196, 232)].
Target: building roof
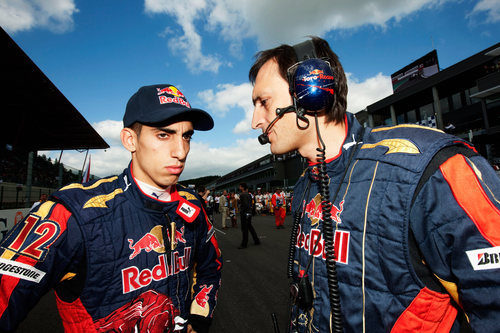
[(447, 77), (35, 114)]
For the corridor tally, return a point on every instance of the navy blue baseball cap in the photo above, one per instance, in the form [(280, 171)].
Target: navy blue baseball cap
[(160, 103)]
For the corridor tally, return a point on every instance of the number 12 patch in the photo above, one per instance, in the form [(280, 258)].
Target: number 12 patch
[(32, 237)]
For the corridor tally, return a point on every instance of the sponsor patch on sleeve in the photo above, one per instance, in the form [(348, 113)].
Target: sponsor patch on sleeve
[(488, 258), (20, 270), (187, 210), (200, 305)]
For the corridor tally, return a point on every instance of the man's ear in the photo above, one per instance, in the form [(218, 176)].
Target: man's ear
[(129, 139)]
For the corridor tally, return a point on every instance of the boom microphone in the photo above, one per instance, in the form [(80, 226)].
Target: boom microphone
[(264, 138)]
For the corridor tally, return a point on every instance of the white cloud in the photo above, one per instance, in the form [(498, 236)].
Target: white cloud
[(229, 97), (271, 22), (237, 98), (104, 162), (189, 44), (285, 20), (491, 7), (109, 161), (113, 160), (297, 18), (362, 94), (109, 130), (19, 15), (204, 160)]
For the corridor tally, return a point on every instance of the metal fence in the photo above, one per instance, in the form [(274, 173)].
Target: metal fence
[(14, 195)]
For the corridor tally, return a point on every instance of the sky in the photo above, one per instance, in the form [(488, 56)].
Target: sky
[(99, 52)]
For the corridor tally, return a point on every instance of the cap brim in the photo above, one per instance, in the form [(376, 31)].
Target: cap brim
[(201, 120), (204, 121)]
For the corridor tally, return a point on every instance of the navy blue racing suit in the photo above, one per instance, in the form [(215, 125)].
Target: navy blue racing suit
[(453, 216), (118, 260)]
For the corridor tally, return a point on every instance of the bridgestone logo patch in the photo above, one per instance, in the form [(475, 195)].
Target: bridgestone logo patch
[(488, 258), (21, 271)]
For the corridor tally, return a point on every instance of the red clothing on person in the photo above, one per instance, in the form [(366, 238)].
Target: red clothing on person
[(278, 201)]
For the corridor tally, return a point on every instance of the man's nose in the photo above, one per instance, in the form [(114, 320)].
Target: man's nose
[(181, 149), (257, 118)]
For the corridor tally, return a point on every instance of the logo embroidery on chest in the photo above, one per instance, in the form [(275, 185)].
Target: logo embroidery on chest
[(133, 278), (151, 241), (314, 211), (314, 244)]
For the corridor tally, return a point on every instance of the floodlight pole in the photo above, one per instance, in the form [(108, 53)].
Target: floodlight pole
[(29, 177), (84, 161)]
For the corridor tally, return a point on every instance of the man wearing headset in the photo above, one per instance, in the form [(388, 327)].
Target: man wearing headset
[(407, 237)]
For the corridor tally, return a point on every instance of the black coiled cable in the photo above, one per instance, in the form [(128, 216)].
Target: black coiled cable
[(293, 235), (327, 230), (326, 207)]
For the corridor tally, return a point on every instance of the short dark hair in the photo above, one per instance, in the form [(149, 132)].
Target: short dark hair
[(285, 58), (136, 127), (244, 186)]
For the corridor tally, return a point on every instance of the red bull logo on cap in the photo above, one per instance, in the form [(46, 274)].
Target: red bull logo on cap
[(171, 90), (178, 97)]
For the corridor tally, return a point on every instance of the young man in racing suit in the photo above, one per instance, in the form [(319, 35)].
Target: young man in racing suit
[(128, 253), (415, 213)]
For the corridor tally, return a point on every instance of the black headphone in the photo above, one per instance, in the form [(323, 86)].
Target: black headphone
[(312, 85), (312, 80)]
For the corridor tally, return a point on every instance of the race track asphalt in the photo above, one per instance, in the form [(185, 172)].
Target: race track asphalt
[(254, 284)]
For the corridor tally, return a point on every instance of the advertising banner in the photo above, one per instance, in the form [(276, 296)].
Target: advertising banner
[(416, 71)]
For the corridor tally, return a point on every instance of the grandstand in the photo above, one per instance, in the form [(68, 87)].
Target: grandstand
[(36, 116)]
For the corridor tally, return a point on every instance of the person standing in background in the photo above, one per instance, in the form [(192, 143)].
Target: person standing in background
[(278, 201), (223, 208), (43, 198), (246, 217), (233, 206)]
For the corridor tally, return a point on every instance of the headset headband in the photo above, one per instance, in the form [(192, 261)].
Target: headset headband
[(305, 50), (311, 79)]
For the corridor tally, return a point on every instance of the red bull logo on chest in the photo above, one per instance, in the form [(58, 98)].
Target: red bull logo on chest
[(308, 243), (179, 235), (152, 241), (314, 211), (133, 278)]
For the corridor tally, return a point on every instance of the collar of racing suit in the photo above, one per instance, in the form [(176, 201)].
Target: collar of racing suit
[(354, 134), (155, 192), (142, 197)]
